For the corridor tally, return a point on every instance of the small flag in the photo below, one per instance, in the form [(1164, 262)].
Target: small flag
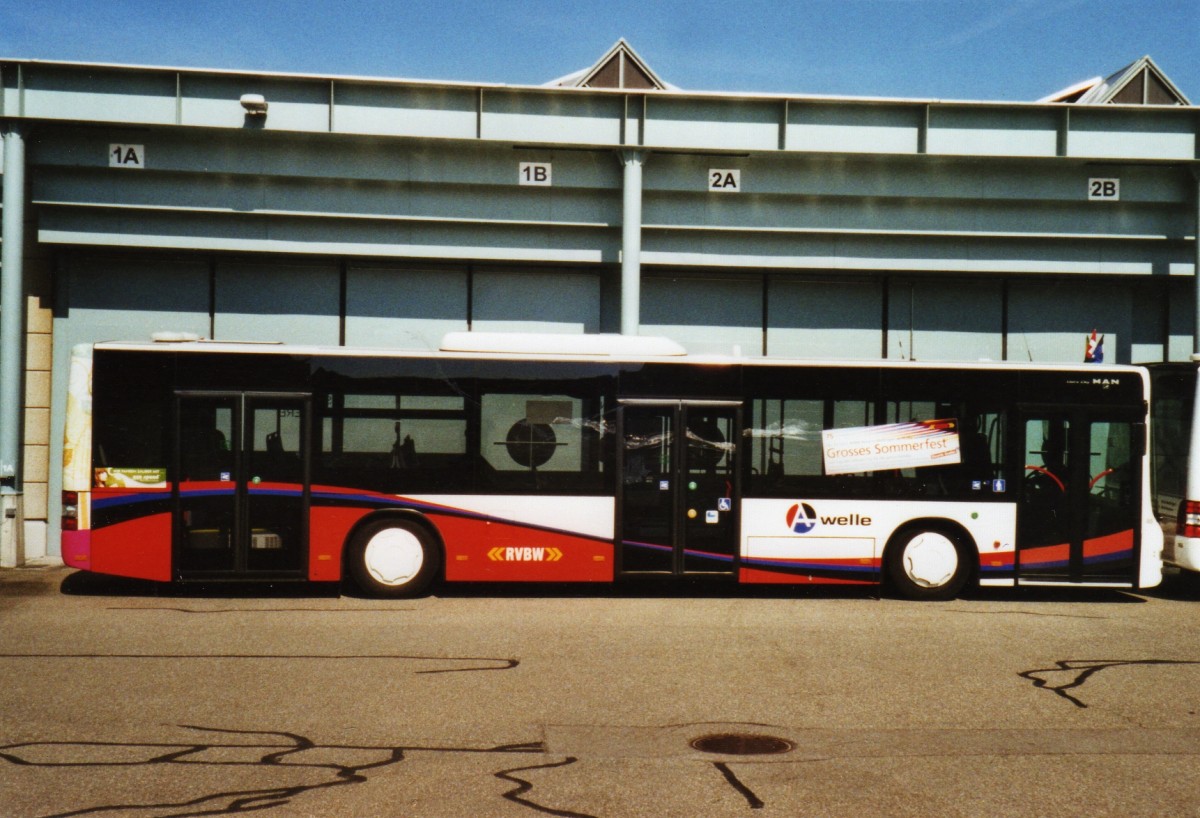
[(1094, 353)]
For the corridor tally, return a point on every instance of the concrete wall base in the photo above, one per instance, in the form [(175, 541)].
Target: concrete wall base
[(36, 539), (12, 531)]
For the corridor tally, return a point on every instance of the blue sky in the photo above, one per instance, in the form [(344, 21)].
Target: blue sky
[(951, 49)]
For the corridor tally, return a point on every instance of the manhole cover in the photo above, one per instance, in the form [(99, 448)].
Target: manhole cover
[(741, 744)]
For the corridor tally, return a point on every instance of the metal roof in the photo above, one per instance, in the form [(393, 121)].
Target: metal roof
[(1103, 90), (621, 50)]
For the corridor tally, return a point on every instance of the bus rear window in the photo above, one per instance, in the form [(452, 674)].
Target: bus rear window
[(131, 417)]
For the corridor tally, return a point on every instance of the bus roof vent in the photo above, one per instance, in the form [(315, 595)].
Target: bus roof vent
[(543, 343)]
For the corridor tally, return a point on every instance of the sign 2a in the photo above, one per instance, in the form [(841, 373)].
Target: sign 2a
[(724, 180)]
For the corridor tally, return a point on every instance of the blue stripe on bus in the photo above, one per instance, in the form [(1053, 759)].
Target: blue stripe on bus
[(129, 499), (649, 546)]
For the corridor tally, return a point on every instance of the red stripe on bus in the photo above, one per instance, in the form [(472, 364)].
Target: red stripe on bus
[(760, 577), (1110, 544)]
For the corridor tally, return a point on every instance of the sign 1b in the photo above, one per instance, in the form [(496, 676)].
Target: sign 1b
[(534, 173)]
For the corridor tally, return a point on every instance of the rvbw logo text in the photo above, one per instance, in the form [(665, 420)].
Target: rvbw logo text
[(802, 518)]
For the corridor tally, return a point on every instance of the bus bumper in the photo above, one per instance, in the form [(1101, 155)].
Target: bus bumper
[(77, 549), (1184, 552)]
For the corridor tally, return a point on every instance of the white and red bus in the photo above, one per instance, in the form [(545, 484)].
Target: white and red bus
[(608, 457)]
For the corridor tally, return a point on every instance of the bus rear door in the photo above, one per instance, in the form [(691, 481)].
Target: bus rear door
[(1078, 518), (678, 505), (241, 489)]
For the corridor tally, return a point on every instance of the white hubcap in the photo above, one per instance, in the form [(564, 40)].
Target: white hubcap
[(930, 559), (394, 556)]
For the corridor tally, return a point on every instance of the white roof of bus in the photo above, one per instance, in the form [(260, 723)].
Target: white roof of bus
[(532, 343), (569, 347)]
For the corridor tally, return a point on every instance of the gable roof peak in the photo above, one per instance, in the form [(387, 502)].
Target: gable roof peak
[(1141, 82), (620, 67)]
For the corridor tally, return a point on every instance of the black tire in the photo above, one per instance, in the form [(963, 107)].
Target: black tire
[(393, 558), (927, 563)]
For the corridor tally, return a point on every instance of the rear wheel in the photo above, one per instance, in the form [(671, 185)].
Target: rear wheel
[(925, 563), (393, 558)]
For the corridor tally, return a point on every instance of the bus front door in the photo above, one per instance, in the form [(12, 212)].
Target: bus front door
[(678, 504), (1077, 518), (241, 485)]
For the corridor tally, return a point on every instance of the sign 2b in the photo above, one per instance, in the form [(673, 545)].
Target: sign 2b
[(1104, 190)]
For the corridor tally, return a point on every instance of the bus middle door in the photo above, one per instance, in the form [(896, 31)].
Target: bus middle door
[(678, 505)]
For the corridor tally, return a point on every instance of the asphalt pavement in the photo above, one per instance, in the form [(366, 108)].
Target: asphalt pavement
[(120, 698)]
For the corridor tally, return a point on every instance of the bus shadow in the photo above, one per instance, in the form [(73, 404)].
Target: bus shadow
[(1039, 594), (1175, 587), (658, 588), (84, 583), (700, 588)]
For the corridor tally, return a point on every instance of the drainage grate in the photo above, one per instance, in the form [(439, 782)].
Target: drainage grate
[(741, 744)]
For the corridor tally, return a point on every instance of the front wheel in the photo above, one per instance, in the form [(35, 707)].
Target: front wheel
[(927, 564), (393, 558)]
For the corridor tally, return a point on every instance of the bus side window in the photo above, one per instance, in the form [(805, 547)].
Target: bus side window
[(980, 452), (787, 452), (549, 441), (394, 441)]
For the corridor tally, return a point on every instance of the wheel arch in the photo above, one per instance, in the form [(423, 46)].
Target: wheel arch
[(944, 525), (392, 514)]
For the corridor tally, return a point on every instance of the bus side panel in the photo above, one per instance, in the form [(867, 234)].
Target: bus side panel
[(487, 538), (842, 541), (328, 527), (482, 550), (138, 548)]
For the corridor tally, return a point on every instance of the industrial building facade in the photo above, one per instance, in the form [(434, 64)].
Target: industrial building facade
[(373, 212)]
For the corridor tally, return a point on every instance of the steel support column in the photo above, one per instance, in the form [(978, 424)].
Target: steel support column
[(631, 242), (12, 313), (12, 346)]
